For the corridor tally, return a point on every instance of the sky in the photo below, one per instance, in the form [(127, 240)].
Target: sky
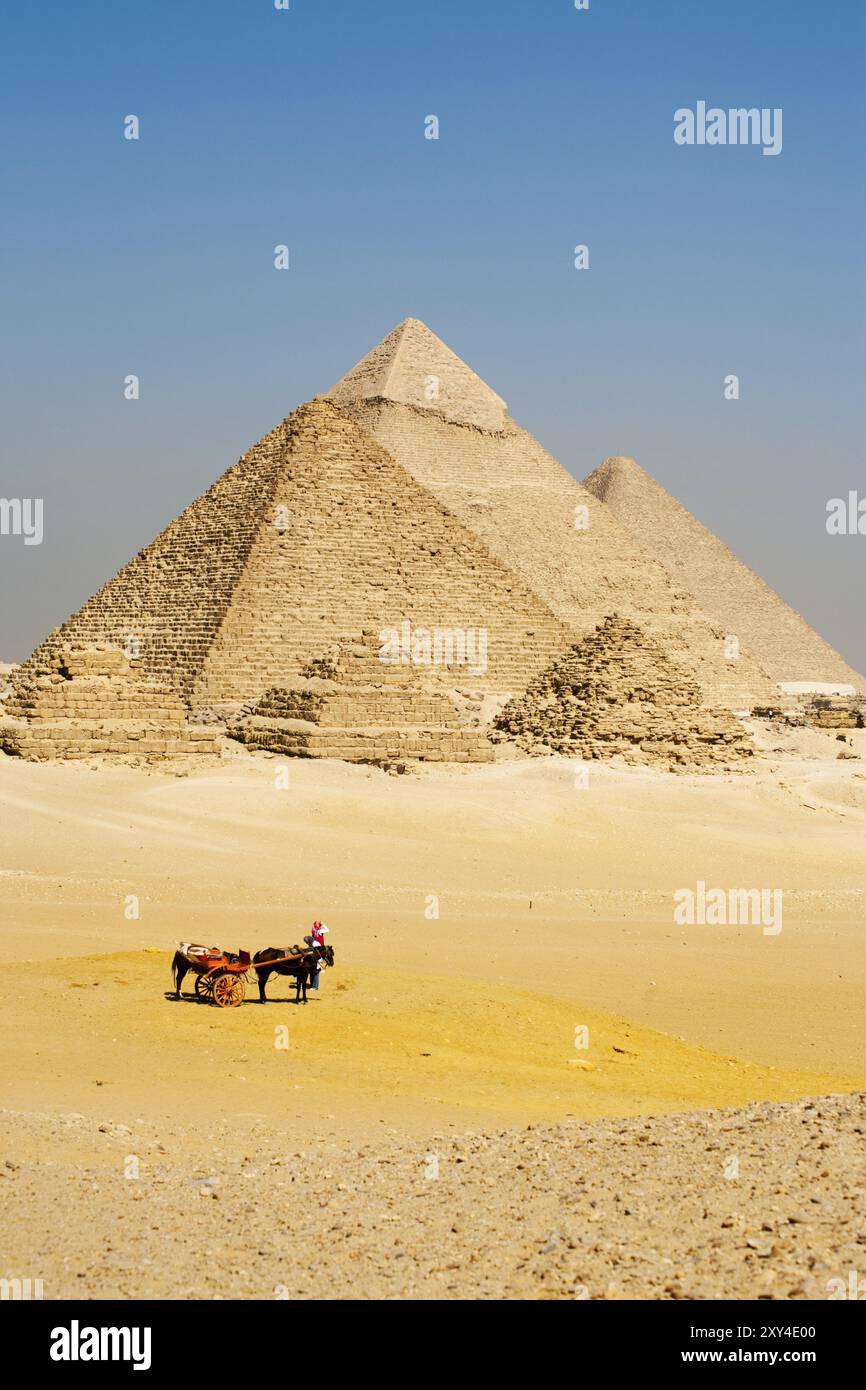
[(306, 127)]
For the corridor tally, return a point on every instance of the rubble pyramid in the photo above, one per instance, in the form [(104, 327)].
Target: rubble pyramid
[(356, 704), (316, 532), (727, 590), (563, 542), (96, 700), (617, 693)]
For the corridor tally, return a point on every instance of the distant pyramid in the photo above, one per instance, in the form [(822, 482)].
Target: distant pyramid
[(726, 589), (616, 693), (316, 533), (565, 544)]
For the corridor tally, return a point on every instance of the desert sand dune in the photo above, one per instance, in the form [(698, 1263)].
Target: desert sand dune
[(555, 914), (224, 855)]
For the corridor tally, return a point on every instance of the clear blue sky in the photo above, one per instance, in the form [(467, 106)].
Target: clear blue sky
[(258, 127)]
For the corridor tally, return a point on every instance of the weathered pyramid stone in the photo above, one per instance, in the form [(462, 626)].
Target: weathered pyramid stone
[(316, 532), (170, 600), (7, 671), (836, 712), (616, 692), (96, 700), (351, 704), (564, 543), (729, 592)]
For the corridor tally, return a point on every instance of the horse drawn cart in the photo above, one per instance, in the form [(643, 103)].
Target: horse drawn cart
[(220, 976)]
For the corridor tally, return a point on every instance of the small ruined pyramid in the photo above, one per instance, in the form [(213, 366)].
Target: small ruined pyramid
[(617, 693), (455, 437), (316, 532), (727, 590), (356, 704), (96, 700)]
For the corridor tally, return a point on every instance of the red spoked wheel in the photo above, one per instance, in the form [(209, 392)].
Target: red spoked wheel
[(228, 990)]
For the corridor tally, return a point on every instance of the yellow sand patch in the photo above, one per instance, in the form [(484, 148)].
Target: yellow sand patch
[(98, 1035)]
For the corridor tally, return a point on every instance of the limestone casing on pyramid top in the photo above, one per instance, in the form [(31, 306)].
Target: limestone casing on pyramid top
[(413, 367)]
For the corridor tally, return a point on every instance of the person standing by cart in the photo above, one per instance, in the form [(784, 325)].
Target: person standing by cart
[(317, 940)]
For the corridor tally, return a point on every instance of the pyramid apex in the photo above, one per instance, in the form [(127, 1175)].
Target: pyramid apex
[(621, 461), (412, 366), (620, 464), (613, 474)]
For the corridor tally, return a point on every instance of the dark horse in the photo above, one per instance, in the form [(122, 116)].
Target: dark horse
[(302, 965)]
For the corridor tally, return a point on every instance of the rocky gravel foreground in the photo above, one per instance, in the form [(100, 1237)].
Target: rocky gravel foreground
[(767, 1201)]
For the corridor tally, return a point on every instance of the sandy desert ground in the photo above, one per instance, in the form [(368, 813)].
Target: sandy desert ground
[(426, 1126)]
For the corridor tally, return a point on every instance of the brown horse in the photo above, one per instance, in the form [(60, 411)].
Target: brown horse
[(302, 964)]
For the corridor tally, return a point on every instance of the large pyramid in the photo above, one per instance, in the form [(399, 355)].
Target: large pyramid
[(726, 589), (314, 535), (454, 435)]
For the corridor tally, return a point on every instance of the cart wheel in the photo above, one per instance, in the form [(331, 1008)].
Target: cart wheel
[(228, 991), (203, 986)]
